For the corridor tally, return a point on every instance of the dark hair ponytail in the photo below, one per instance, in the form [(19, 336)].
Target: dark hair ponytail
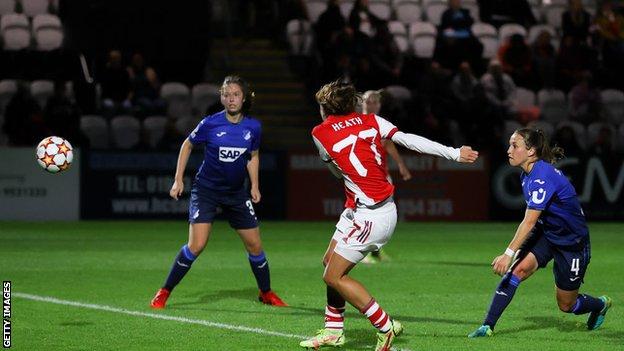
[(248, 94), (535, 138)]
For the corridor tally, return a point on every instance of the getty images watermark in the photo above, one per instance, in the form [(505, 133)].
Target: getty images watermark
[(6, 314)]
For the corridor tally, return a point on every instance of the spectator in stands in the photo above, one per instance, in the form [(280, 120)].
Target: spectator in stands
[(145, 87), (435, 101), (455, 41), (571, 61), (499, 12), (566, 138), (115, 83), (499, 89), (585, 100), (24, 124), (544, 56), (515, 56), (575, 22), (352, 57), (361, 19), (610, 26), (464, 84), (604, 145), (386, 58), (61, 116), (328, 28)]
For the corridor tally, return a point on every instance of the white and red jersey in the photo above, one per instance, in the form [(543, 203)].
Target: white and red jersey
[(353, 144)]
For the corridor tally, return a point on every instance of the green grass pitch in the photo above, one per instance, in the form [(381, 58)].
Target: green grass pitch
[(438, 284)]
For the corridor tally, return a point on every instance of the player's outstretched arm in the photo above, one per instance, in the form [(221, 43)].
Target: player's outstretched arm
[(414, 142), (178, 184), (501, 263)]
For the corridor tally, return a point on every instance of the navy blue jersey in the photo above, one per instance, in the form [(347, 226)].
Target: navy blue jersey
[(227, 149), (562, 220)]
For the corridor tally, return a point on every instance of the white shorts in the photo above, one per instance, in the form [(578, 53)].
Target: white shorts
[(364, 230)]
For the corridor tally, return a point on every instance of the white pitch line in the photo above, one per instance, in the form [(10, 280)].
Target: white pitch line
[(156, 316)]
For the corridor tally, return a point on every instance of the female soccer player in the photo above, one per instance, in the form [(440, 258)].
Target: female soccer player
[(350, 144), (231, 140), (553, 228)]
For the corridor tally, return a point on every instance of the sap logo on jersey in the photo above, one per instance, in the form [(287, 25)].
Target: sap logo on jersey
[(230, 154)]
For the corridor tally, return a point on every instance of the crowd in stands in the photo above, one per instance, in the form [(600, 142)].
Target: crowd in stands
[(473, 70)]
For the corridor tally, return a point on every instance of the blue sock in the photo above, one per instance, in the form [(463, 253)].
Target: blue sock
[(502, 297), (585, 304), (181, 265), (260, 269)]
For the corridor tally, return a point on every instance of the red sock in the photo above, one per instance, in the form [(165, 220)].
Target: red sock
[(377, 316), (334, 317)]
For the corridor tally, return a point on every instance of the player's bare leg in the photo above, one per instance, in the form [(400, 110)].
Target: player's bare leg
[(336, 276), (259, 266), (521, 269), (198, 237)]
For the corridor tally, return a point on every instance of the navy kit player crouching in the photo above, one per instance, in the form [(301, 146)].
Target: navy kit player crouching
[(553, 228), (231, 140)]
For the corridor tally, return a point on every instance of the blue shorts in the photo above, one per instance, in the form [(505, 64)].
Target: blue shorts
[(570, 262), (236, 206)]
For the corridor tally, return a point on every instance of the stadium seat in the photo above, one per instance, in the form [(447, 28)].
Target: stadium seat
[(7, 6), (178, 98), (380, 8), (509, 29), (524, 98), (423, 38), (536, 30), (488, 36), (345, 8), (613, 101), (125, 132), (434, 10), (46, 21), (13, 20), (399, 32), (95, 129), (579, 131), (553, 12), (594, 129), (315, 9), (408, 11), (16, 39), (35, 7), (544, 126), (299, 35), (185, 125), (155, 128), (398, 92), (8, 88), (48, 39), (204, 95), (552, 103), (41, 90)]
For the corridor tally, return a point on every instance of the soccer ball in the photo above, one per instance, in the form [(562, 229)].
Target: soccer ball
[(55, 154)]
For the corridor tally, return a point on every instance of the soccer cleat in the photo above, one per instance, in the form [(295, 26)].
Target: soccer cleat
[(159, 301), (384, 340), (595, 319), (397, 327), (482, 331), (270, 298), (325, 337)]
